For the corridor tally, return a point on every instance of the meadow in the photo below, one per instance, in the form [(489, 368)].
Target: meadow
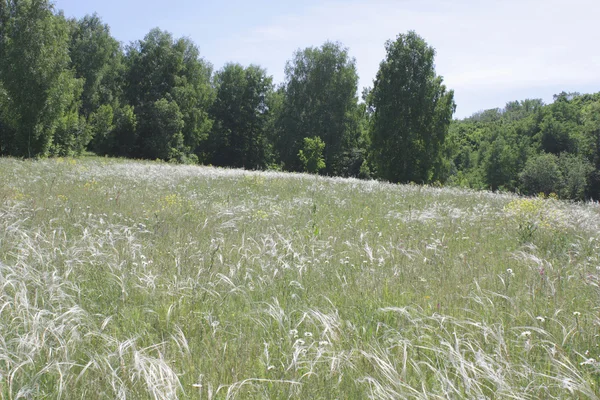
[(145, 280)]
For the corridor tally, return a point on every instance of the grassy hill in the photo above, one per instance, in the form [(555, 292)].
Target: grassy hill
[(137, 280)]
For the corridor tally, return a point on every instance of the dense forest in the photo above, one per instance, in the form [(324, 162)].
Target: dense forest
[(67, 86)]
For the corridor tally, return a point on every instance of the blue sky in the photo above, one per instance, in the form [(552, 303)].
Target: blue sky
[(489, 52)]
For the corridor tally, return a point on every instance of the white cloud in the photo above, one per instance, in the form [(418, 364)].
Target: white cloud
[(482, 46)]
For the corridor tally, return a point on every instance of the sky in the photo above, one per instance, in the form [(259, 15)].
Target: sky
[(488, 51)]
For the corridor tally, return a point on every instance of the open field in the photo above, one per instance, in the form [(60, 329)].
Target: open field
[(146, 280)]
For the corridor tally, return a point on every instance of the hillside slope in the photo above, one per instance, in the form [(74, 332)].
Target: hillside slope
[(122, 279)]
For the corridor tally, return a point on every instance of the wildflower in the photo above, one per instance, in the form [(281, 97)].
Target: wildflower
[(294, 333), (308, 334), (576, 314), (541, 319), (526, 334), (510, 272)]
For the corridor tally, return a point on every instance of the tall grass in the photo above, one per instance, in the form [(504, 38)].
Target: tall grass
[(136, 280)]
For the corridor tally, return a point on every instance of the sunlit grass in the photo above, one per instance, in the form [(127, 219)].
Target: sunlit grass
[(124, 279)]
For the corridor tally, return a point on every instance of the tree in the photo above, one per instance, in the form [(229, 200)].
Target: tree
[(498, 163), (96, 58), (116, 130), (311, 155), (158, 68), (541, 175), (39, 88), (576, 172), (241, 114), (6, 132), (412, 112), (162, 126), (320, 101), (554, 136), (194, 95), (589, 143)]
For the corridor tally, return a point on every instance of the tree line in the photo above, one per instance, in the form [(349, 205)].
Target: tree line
[(67, 86), (529, 147)]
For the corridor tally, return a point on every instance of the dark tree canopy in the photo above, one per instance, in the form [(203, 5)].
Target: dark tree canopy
[(530, 147), (412, 112), (161, 68), (320, 101), (241, 114), (40, 91), (96, 58), (67, 86)]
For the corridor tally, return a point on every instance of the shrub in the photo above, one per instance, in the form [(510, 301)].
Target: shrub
[(71, 136), (541, 175), (114, 131), (365, 171), (576, 173), (311, 155)]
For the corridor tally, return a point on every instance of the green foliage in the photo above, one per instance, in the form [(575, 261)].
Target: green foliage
[(96, 58), (122, 139), (71, 136), (320, 99), (40, 89), (242, 115), (554, 136), (194, 96), (576, 172), (535, 147), (160, 125), (67, 86), (499, 164), (7, 131), (311, 155), (101, 125), (365, 171), (412, 112), (588, 142), (158, 68), (567, 176), (541, 175)]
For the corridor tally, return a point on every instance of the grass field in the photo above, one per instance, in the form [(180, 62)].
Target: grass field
[(136, 280)]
